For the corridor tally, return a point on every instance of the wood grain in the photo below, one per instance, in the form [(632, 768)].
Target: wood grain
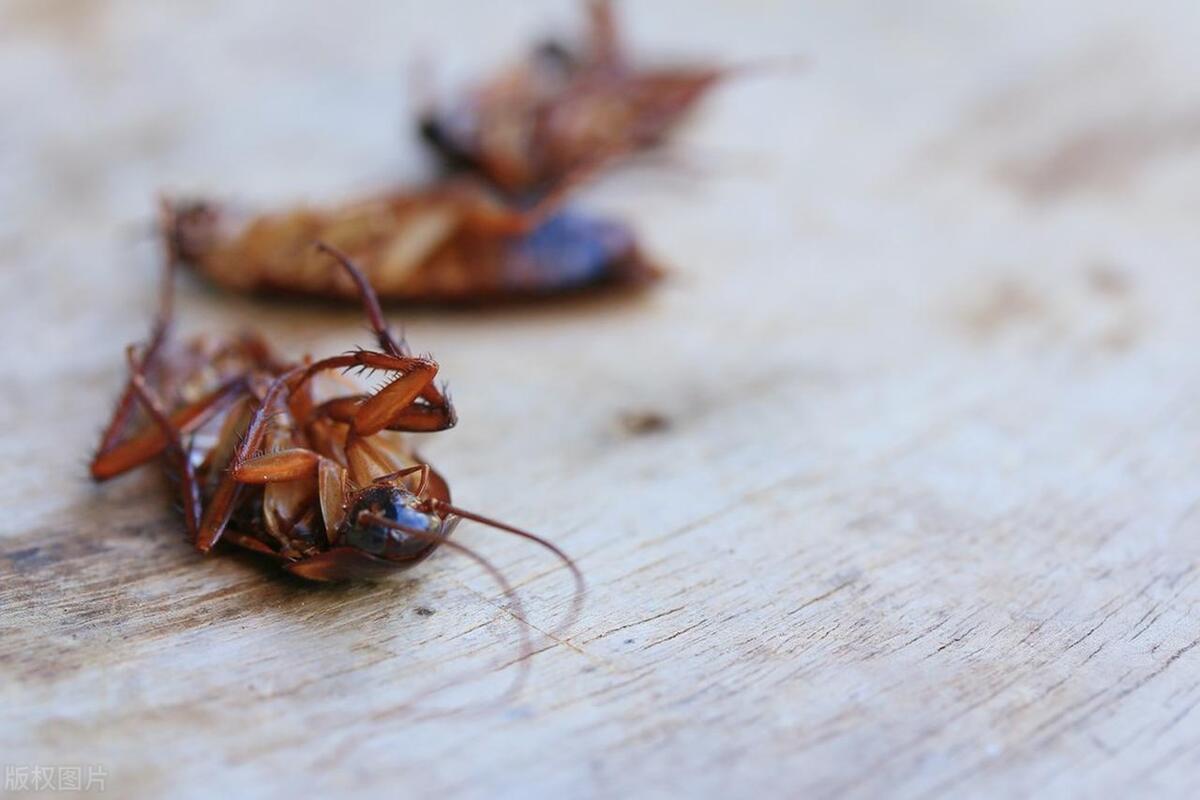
[(916, 509)]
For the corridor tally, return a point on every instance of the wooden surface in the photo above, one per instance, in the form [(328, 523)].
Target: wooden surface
[(921, 516)]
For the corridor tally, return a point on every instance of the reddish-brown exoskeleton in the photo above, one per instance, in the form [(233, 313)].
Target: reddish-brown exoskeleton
[(282, 459), (565, 108), (448, 243)]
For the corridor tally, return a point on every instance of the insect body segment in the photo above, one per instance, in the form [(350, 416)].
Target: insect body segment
[(445, 244), (564, 108), (279, 459)]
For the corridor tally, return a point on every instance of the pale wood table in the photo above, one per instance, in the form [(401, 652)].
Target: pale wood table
[(922, 520)]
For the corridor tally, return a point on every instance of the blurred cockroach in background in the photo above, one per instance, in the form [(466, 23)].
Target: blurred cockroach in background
[(496, 232), (449, 243), (564, 107), (284, 460)]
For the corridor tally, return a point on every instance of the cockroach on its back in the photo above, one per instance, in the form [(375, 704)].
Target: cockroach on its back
[(281, 459), (564, 108), (449, 243)]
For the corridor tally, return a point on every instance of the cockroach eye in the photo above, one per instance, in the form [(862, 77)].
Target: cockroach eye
[(394, 504)]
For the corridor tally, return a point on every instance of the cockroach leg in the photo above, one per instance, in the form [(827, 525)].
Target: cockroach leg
[(295, 464), (417, 418), (126, 402), (331, 491), (382, 408), (250, 543), (422, 484), (189, 488), (277, 527), (339, 409), (226, 439), (216, 516), (393, 406), (145, 446), (285, 465), (158, 336), (423, 419), (362, 359), (429, 393)]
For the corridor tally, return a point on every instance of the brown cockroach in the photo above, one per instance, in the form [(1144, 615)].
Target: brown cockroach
[(564, 108), (280, 459), (448, 243)]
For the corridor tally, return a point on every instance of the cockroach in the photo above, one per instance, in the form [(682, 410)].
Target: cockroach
[(564, 108), (448, 243), (283, 460)]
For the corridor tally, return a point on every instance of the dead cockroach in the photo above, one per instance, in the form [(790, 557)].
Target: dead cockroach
[(565, 108), (449, 243), (280, 459)]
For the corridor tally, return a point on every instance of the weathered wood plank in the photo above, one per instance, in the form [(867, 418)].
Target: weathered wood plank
[(918, 515)]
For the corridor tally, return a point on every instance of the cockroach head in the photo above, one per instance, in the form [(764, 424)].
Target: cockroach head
[(417, 532), (572, 251)]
